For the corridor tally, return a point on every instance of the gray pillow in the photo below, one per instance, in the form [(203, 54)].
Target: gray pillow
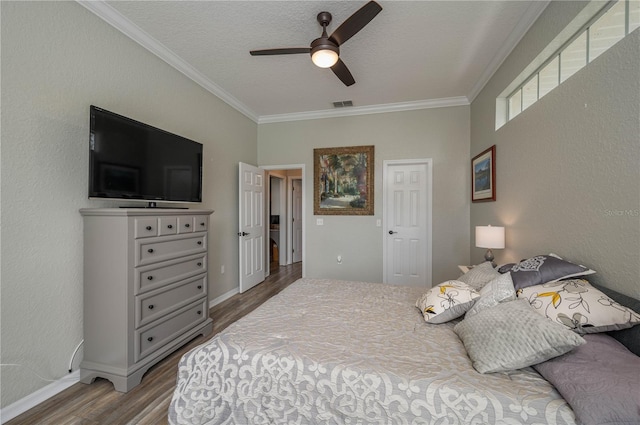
[(600, 380), (512, 336), (479, 276), (543, 269), (497, 291)]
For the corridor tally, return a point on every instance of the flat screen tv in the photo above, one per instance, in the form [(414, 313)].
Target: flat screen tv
[(135, 161)]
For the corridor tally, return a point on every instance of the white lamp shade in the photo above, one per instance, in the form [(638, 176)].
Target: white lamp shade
[(324, 58), (490, 237)]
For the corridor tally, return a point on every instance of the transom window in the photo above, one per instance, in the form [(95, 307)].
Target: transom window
[(608, 26)]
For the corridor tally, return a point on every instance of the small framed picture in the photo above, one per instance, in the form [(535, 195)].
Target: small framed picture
[(483, 176)]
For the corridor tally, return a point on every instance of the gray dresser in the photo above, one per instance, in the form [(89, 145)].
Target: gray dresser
[(145, 289)]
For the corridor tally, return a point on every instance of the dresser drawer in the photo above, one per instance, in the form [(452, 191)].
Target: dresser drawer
[(157, 275), (149, 339), (201, 223), (161, 302), (145, 227), (167, 226), (185, 224), (149, 251)]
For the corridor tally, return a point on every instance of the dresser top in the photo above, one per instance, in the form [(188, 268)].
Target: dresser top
[(141, 211)]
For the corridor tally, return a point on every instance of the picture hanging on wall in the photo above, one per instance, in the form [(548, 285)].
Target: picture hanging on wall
[(483, 176), (343, 180)]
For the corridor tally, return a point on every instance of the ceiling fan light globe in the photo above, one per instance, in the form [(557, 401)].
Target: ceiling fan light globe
[(324, 58)]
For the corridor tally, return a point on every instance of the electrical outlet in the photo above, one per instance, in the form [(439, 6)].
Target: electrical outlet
[(319, 222), (339, 259)]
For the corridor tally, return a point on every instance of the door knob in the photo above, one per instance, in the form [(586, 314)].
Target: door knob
[(243, 234), (391, 232)]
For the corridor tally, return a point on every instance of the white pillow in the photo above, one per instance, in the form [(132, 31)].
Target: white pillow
[(511, 336), (479, 276), (447, 301), (579, 306), (493, 293)]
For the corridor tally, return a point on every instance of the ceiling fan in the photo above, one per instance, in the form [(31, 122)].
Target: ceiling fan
[(325, 51)]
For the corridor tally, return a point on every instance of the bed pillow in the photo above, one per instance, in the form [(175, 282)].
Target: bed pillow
[(542, 269), (447, 301), (579, 306), (493, 293), (511, 336), (479, 275), (600, 380), (630, 337)]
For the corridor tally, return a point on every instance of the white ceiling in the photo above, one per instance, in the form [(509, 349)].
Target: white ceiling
[(413, 54)]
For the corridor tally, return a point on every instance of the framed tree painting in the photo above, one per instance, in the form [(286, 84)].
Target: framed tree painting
[(483, 176), (343, 180)]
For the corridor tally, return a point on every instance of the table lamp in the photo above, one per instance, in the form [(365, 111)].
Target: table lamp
[(490, 237)]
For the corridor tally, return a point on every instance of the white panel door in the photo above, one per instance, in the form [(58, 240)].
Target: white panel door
[(407, 236), (296, 218), (252, 230)]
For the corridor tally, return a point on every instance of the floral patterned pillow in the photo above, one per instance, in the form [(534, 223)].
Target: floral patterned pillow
[(579, 306), (447, 301)]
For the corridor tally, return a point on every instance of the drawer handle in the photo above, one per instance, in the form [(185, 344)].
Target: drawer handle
[(199, 264), (150, 306), (199, 242), (199, 286), (150, 250), (170, 226), (149, 277), (201, 224), (150, 339), (199, 312), (149, 228), (187, 225)]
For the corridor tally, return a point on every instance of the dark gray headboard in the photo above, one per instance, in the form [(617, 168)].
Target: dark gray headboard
[(629, 337)]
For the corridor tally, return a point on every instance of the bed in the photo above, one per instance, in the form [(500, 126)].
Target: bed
[(341, 352)]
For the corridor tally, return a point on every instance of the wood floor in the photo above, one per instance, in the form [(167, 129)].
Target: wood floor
[(148, 403)]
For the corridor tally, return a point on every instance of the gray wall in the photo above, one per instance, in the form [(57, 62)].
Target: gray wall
[(568, 168), (441, 134), (57, 59)]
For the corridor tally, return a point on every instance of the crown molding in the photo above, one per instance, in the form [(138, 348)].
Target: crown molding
[(114, 18), (366, 110), (532, 14)]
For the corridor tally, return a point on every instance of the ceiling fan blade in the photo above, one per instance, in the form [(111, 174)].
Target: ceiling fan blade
[(283, 51), (342, 72), (355, 22)]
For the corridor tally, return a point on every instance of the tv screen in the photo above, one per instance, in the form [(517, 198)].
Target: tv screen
[(135, 161)]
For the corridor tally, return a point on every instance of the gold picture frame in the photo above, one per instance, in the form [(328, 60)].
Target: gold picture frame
[(343, 180)]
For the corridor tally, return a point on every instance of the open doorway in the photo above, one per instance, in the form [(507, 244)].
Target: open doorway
[(284, 209), (277, 214)]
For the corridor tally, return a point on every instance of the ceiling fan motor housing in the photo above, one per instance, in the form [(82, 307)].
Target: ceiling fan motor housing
[(322, 47)]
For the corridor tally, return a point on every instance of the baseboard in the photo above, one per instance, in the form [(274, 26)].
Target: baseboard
[(32, 400), (214, 302)]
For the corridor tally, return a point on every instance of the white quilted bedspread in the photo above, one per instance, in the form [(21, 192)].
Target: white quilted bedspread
[(338, 352)]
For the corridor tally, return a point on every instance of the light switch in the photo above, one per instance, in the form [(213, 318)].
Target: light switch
[(319, 222)]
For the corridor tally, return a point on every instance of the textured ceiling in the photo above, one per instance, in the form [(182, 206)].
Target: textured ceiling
[(411, 53)]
